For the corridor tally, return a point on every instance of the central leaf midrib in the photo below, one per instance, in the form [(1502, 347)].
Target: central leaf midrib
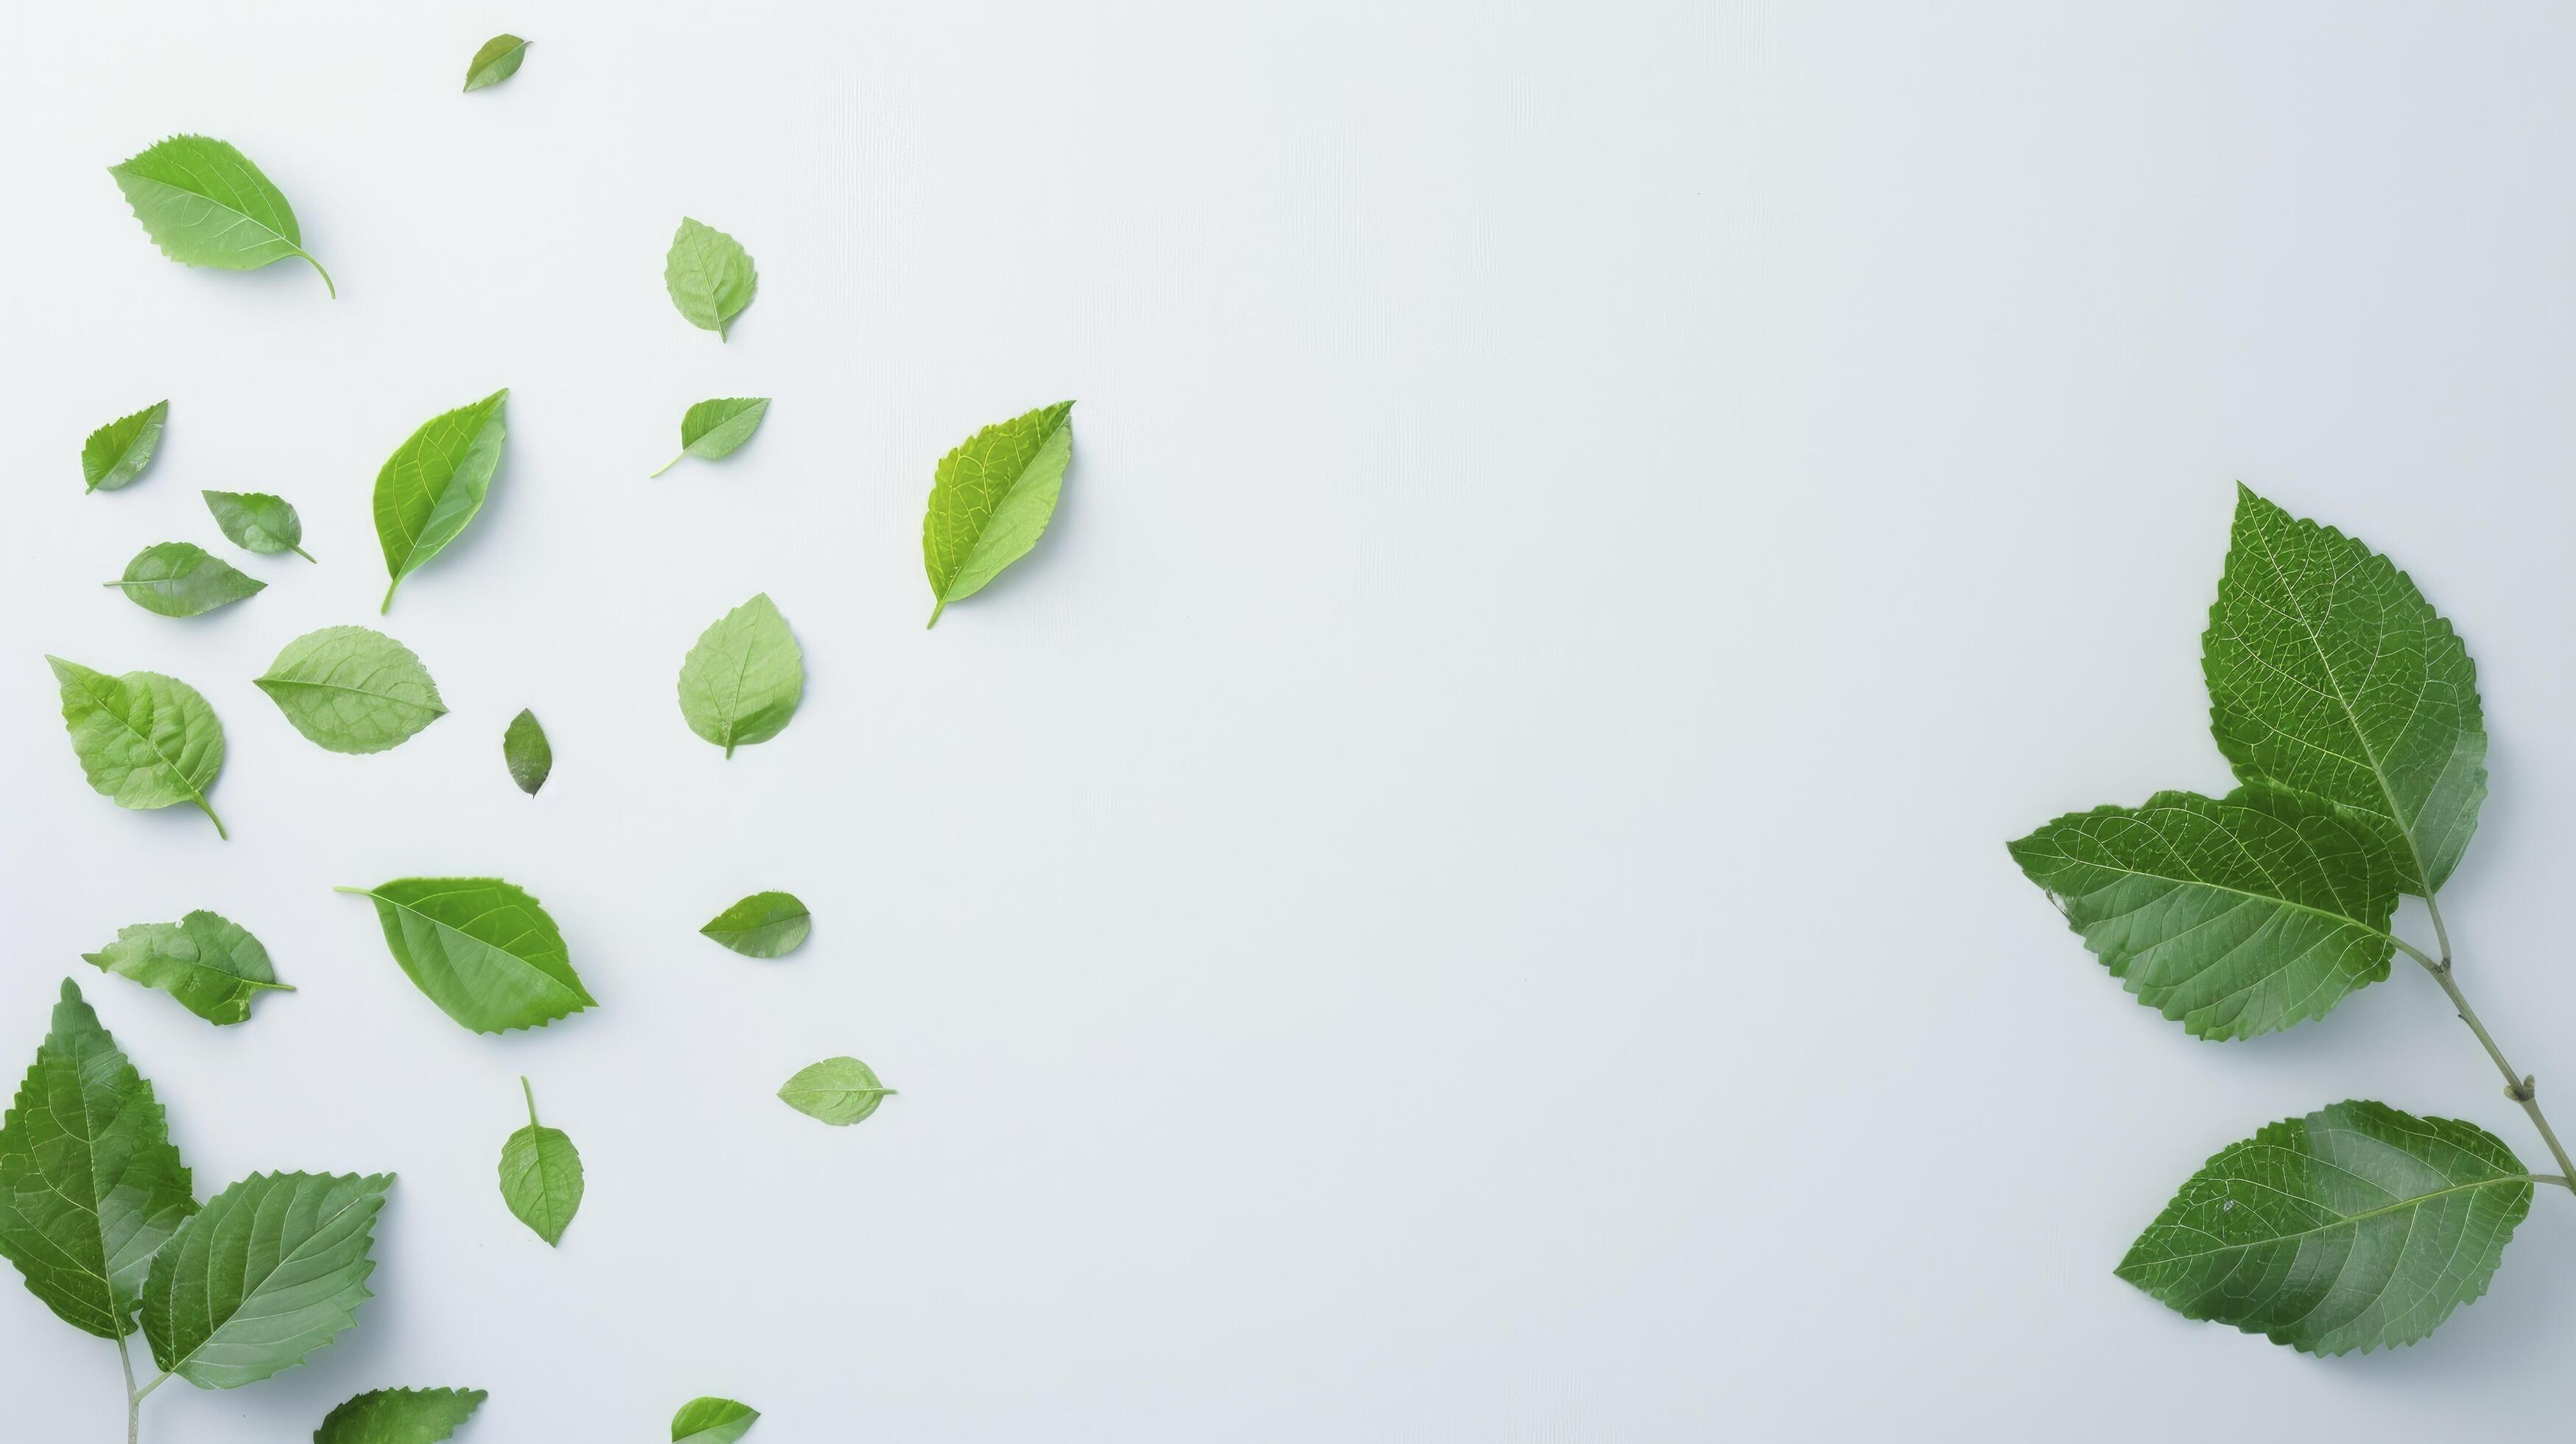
[(2353, 1220), (445, 927)]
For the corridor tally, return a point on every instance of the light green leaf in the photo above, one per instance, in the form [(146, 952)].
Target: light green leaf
[(530, 756), (399, 1416), (204, 204), (991, 500), (481, 949), (435, 482), (183, 579), (840, 1091), (712, 429), (498, 60), (763, 925), (709, 275), (2232, 916), (89, 1184), (348, 689), (256, 521), (145, 740), (211, 964), (117, 452), (2329, 673), (741, 682), (712, 1421), (541, 1175), (273, 1269), (2353, 1228)]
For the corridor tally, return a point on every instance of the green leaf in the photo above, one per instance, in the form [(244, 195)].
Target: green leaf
[(481, 949), (399, 1416), (712, 429), (2355, 1227), (712, 1421), (256, 521), (204, 204), (2232, 916), (840, 1091), (541, 1175), (530, 756), (273, 1269), (709, 275), (435, 482), (497, 61), (741, 682), (89, 1184), (212, 965), (145, 740), (183, 579), (348, 689), (117, 452), (2329, 672), (763, 925), (992, 499)]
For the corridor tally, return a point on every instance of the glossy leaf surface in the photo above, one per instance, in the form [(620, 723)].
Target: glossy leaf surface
[(183, 579), (258, 522), (435, 482), (991, 500), (212, 965), (144, 740), (349, 689), (481, 948), (272, 1269)]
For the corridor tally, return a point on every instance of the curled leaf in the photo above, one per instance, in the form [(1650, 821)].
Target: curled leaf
[(211, 964)]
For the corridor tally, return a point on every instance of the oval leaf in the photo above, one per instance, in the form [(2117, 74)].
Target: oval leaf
[(212, 965), (435, 482), (741, 682), (991, 500), (763, 925), (712, 1421), (482, 950), (712, 429), (530, 756), (541, 1175), (273, 1269), (117, 452), (256, 521), (204, 204), (352, 690), (497, 61), (840, 1091), (709, 276), (144, 740), (399, 1416), (2355, 1227), (183, 579)]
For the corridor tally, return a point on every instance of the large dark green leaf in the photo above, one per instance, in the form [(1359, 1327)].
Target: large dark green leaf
[(399, 1416), (273, 1269)]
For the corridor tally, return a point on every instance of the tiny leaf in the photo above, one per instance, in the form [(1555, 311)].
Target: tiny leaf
[(712, 429), (256, 521), (399, 1416), (348, 689), (481, 948), (212, 965), (712, 1421), (497, 61), (204, 204), (741, 682), (709, 276), (183, 579), (435, 482), (530, 756), (273, 1269), (991, 500), (145, 740), (541, 1175), (840, 1091), (117, 452), (763, 925)]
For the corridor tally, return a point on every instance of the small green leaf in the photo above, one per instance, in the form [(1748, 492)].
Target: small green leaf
[(212, 965), (991, 500), (497, 61), (90, 1186), (840, 1091), (399, 1416), (712, 429), (435, 482), (712, 1421), (273, 1269), (481, 948), (709, 275), (204, 204), (145, 740), (183, 579), (119, 451), (348, 689), (530, 756), (541, 1175), (256, 521), (763, 925), (741, 682), (2355, 1227)]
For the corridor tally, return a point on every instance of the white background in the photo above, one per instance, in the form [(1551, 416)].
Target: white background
[(1460, 893)]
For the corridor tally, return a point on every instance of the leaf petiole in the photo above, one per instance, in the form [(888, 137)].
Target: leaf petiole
[(326, 275)]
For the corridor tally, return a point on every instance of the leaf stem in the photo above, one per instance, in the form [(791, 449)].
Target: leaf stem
[(532, 1099), (133, 1400), (326, 275), (208, 809), (2519, 1087), (388, 607), (301, 552), (666, 466)]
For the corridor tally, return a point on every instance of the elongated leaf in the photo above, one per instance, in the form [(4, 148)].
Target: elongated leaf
[(840, 1091), (709, 276), (211, 964), (2232, 916), (541, 1175), (991, 500), (2355, 1227), (741, 682), (763, 925), (530, 756), (2329, 672), (497, 61), (183, 579), (481, 949), (435, 482), (712, 429), (89, 1184), (399, 1416), (119, 451), (273, 1269), (352, 690), (204, 204), (712, 1421), (256, 521), (145, 740)]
